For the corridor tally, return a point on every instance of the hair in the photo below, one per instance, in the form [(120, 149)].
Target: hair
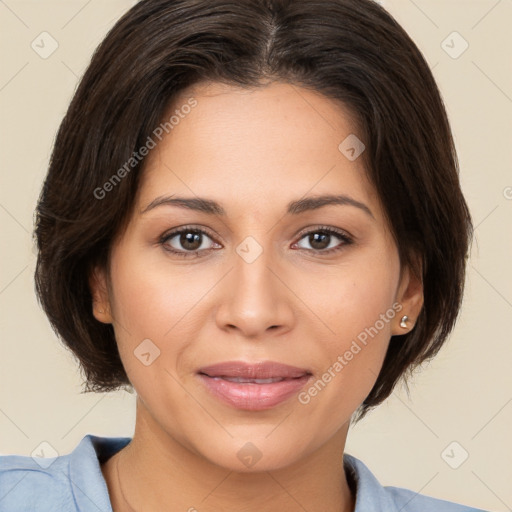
[(351, 51)]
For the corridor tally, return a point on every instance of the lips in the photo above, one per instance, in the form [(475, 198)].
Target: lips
[(254, 371), (253, 386)]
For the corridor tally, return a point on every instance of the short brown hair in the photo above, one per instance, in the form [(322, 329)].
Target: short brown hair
[(352, 51)]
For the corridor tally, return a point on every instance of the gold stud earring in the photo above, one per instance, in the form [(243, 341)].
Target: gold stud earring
[(403, 321)]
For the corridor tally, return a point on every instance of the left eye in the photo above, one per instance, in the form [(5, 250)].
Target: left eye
[(322, 240)]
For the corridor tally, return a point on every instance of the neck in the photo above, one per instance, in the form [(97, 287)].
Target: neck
[(157, 472)]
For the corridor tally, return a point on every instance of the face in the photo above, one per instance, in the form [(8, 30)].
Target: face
[(266, 274)]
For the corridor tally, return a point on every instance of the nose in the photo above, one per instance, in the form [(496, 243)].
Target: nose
[(254, 299)]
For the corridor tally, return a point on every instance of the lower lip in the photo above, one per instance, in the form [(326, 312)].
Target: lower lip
[(252, 396)]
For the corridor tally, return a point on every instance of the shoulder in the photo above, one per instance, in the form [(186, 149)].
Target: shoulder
[(410, 501), (372, 496), (65, 482), (25, 480)]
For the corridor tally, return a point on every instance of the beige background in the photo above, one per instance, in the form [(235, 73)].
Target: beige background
[(465, 395)]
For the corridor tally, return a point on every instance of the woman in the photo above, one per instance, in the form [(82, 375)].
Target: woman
[(254, 213)]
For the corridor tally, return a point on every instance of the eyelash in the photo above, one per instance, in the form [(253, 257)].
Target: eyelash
[(189, 254)]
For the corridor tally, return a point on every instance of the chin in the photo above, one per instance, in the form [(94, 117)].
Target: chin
[(252, 453)]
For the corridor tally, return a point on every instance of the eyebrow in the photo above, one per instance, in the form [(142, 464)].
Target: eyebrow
[(294, 207)]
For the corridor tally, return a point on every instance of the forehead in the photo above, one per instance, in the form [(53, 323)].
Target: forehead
[(266, 145)]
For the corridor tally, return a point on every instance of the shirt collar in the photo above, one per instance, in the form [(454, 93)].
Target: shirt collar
[(86, 479), (370, 495)]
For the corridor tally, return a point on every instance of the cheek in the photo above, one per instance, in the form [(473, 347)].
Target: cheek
[(350, 297), (152, 299), (357, 303), (157, 301)]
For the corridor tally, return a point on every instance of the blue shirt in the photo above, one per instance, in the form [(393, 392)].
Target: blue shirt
[(74, 482)]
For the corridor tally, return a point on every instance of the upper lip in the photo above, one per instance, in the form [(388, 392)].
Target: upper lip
[(258, 370)]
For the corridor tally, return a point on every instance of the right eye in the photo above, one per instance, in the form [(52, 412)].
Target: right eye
[(186, 241)]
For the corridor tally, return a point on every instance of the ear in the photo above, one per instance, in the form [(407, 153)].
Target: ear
[(100, 297), (410, 296)]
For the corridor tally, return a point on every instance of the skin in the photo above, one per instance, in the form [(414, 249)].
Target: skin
[(293, 304)]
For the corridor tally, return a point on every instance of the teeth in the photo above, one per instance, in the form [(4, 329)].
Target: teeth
[(241, 380)]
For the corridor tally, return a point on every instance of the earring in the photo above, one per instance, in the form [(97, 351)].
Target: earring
[(403, 322)]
